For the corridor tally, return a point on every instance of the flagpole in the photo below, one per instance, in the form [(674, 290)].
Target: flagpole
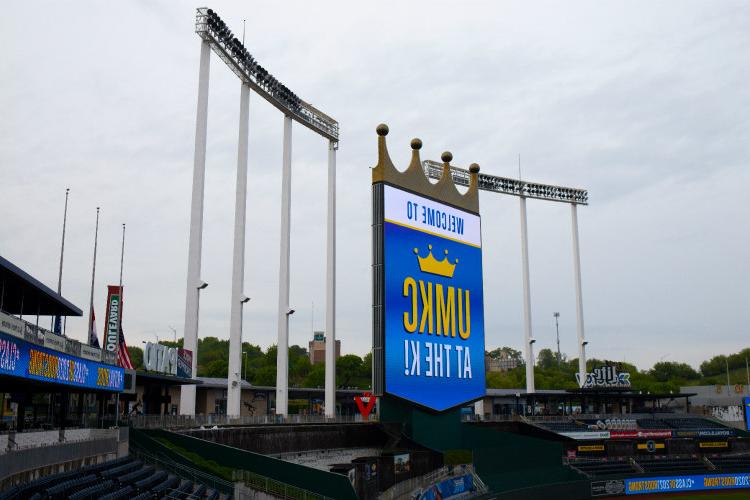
[(93, 275), (62, 245), (62, 253), (119, 329)]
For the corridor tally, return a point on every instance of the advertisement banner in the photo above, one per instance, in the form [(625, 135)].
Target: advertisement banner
[(184, 363), (590, 447), (91, 353), (54, 341), (11, 325), (640, 434), (607, 488), (449, 488), (434, 309), (587, 435), (713, 444), (33, 334), (22, 359), (698, 482), (112, 319), (746, 405)]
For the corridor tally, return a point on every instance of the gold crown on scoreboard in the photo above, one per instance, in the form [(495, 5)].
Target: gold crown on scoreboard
[(431, 265), (415, 180)]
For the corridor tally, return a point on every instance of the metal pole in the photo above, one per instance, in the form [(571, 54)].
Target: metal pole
[(579, 296), (119, 321), (282, 356), (726, 360), (187, 393), (56, 319), (557, 330), (62, 244), (234, 385), (330, 382), (93, 275), (528, 340), (747, 370)]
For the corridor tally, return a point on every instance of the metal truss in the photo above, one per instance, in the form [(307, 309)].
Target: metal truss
[(213, 30), (506, 185)]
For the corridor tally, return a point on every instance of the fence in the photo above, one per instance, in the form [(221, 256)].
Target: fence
[(196, 421), (247, 483)]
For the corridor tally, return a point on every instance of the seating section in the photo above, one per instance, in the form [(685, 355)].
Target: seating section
[(655, 422), (121, 479), (673, 465), (693, 423), (656, 466), (599, 469), (732, 463), (652, 423)]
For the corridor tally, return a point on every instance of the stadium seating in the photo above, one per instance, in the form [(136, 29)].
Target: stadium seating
[(122, 479), (732, 463), (604, 469), (673, 465)]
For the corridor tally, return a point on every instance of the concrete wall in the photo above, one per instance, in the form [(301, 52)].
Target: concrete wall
[(30, 463)]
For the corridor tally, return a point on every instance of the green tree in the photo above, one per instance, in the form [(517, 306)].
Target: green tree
[(348, 370), (136, 356), (546, 359)]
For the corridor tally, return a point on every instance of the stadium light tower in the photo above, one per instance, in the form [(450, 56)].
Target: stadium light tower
[(217, 37), (524, 190)]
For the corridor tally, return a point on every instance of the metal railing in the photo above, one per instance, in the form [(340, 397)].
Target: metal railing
[(183, 471), (247, 483), (12, 441), (210, 421), (405, 489)]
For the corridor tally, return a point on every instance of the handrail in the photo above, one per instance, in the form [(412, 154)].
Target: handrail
[(210, 421)]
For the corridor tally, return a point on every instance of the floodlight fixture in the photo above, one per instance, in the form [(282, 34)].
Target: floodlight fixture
[(506, 185), (210, 27), (244, 300), (202, 285)]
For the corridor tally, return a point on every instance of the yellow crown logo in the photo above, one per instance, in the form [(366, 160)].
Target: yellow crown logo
[(431, 265)]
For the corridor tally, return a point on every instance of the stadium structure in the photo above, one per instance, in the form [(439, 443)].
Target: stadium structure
[(75, 424)]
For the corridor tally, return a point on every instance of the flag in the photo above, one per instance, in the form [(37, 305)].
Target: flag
[(58, 328), (123, 356), (93, 338)]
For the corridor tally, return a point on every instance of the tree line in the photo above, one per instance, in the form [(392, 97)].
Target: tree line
[(259, 368), (552, 372)]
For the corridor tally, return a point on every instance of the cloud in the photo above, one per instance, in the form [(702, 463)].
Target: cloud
[(645, 105)]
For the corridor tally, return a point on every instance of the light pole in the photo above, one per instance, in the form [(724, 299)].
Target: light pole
[(557, 329)]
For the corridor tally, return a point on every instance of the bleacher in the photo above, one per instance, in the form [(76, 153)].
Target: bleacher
[(124, 478), (636, 422), (671, 465), (605, 468), (732, 463)]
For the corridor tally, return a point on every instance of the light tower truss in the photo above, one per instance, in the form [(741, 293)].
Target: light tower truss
[(210, 27), (506, 185)]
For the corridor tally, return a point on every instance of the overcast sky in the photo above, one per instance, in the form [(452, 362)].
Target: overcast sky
[(645, 104)]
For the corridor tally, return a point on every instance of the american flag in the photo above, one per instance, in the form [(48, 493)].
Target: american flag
[(123, 356), (93, 338)]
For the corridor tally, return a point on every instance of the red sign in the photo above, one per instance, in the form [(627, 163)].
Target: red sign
[(639, 434), (365, 407)]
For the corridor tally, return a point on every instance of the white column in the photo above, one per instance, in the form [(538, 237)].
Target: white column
[(282, 357), (527, 337), (330, 402), (234, 380), (579, 297), (187, 393)]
